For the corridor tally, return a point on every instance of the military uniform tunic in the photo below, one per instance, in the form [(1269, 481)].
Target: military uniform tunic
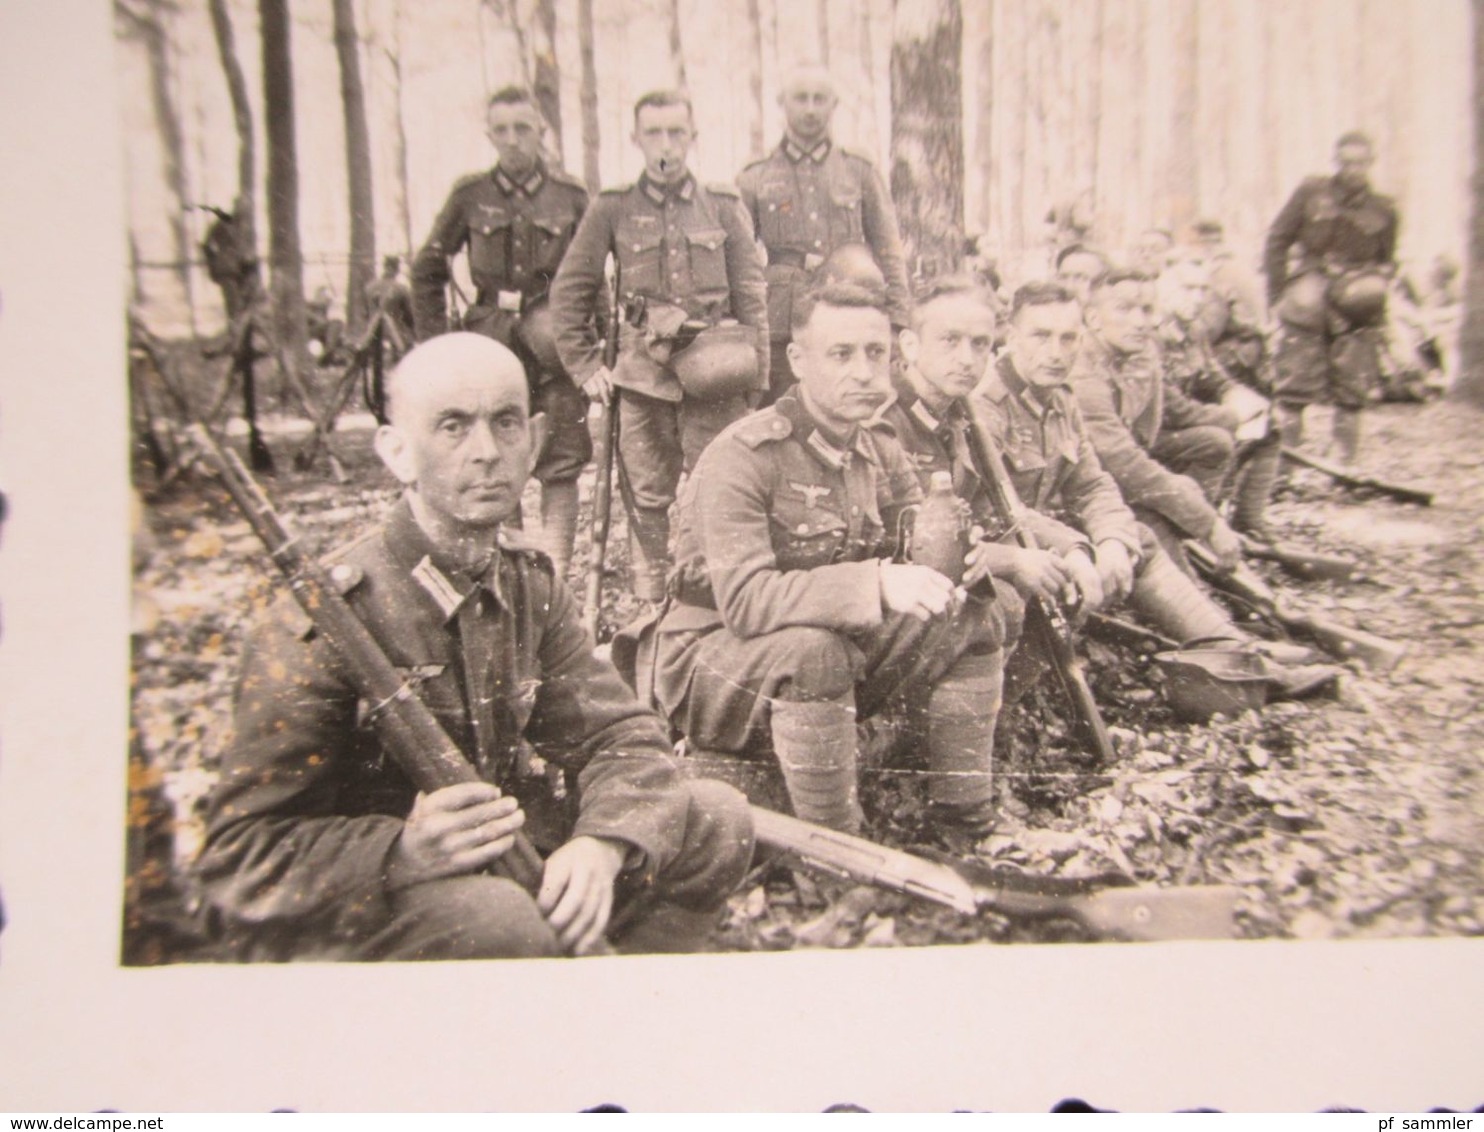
[(516, 234), (781, 537), (1148, 435), (1052, 464), (309, 805), (804, 205), (1327, 227)]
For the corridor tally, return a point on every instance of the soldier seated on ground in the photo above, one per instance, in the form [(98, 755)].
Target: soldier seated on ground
[(1169, 454), (318, 846), (1193, 368), (789, 620), (1028, 411)]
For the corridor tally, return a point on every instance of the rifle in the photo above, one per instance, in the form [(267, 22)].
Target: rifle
[(1376, 653), (411, 733), (1044, 621), (1307, 564), (604, 452), (1122, 911), (1351, 478)]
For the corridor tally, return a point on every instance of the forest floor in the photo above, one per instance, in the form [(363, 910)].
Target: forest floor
[(1357, 814)]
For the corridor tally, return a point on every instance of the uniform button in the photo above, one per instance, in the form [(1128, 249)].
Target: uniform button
[(818, 243), (637, 247), (814, 216), (342, 573), (772, 208), (803, 528), (855, 510)]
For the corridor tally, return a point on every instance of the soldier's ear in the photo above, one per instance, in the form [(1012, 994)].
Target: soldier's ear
[(910, 343), (537, 431), (391, 445)]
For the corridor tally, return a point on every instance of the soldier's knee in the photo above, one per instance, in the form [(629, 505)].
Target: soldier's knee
[(1209, 445), (719, 826), (812, 663), (474, 917)]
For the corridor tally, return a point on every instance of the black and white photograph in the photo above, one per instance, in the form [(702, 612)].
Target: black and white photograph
[(876, 480)]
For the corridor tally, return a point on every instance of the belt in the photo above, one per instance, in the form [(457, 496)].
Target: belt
[(788, 257)]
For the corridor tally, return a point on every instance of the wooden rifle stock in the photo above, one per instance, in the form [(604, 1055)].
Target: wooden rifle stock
[(1105, 908), (1307, 564), (605, 451), (1044, 621), (1376, 653), (408, 729)]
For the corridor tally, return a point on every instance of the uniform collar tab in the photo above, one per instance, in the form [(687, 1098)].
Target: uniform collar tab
[(796, 153), (529, 187), (684, 189)]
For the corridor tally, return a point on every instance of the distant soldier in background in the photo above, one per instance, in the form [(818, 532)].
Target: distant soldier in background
[(1232, 315), (1078, 267), (392, 297), (694, 345), (516, 220), (809, 197), (1329, 259)]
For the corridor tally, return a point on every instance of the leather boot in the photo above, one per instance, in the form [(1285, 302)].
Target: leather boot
[(1176, 605), (649, 552), (815, 745), (1345, 432), (1256, 478), (961, 714), (559, 523)]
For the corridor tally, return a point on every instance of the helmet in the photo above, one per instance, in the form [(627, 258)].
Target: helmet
[(721, 362), (1203, 681), (1360, 296), (537, 332), (851, 263), (1303, 302)]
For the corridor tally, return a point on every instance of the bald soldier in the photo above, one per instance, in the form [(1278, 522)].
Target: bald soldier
[(809, 197), (319, 847)]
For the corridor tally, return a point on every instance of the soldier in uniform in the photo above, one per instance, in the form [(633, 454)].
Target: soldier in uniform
[(690, 280), (516, 221), (807, 198), (318, 846), (1168, 453), (389, 295), (790, 621), (1075, 509), (1330, 255), (1077, 266)]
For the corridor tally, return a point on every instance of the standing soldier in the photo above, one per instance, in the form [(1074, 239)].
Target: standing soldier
[(807, 198), (693, 347), (389, 295), (516, 220), (1330, 256)]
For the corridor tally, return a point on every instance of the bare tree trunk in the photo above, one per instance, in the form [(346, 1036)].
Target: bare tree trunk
[(1183, 187), (144, 20), (822, 28), (755, 74), (244, 208), (984, 124), (677, 51), (591, 140), (285, 259), (404, 171), (1470, 384), (927, 171), (546, 78), (357, 166)]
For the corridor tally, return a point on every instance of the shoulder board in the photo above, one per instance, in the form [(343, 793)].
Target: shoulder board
[(1316, 182), (858, 154), (759, 162), (723, 188), (763, 427), (617, 190), (562, 177), (471, 179)]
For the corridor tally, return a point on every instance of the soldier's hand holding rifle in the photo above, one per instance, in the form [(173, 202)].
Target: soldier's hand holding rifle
[(454, 831), (1115, 569), (1035, 573), (599, 387), (1226, 544)]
